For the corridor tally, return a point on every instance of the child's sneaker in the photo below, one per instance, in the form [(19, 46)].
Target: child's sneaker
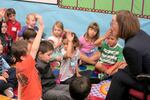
[(9, 92), (103, 76)]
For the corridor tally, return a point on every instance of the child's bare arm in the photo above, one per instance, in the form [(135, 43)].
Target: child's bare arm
[(98, 42), (70, 38), (77, 71), (19, 91), (2, 13), (113, 68), (58, 45), (37, 40)]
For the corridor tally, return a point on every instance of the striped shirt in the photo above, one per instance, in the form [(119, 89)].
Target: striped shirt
[(111, 55)]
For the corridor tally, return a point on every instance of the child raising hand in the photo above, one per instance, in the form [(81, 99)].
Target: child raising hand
[(71, 54)]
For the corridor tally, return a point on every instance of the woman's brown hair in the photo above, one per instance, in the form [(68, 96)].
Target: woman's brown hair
[(128, 24)]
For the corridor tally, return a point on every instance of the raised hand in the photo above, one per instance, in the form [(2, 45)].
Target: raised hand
[(38, 16), (108, 33), (70, 36), (2, 12)]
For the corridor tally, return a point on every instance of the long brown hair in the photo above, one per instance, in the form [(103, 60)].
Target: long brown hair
[(94, 26), (75, 40), (128, 24)]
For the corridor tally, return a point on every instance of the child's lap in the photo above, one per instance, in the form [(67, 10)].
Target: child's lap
[(59, 91), (107, 66), (90, 54)]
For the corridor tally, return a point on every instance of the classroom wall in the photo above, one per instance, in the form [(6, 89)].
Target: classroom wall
[(76, 21)]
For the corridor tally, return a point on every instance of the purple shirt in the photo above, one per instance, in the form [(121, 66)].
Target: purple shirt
[(23, 29), (86, 47)]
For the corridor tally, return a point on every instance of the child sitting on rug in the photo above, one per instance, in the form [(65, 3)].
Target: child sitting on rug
[(7, 41), (88, 51), (79, 88), (6, 75), (50, 90), (56, 40), (71, 54), (111, 58), (31, 21)]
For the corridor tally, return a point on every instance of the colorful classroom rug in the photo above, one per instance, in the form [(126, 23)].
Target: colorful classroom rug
[(81, 68), (99, 91)]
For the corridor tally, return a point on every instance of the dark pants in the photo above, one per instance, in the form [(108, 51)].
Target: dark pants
[(11, 81), (59, 92), (120, 85), (3, 86), (83, 73)]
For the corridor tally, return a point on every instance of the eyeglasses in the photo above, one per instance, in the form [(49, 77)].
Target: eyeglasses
[(113, 23)]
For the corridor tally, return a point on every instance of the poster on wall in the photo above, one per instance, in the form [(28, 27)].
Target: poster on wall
[(138, 7), (44, 1)]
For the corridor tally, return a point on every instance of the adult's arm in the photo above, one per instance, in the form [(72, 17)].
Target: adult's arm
[(134, 60)]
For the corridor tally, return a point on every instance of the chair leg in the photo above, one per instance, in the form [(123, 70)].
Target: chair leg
[(145, 91)]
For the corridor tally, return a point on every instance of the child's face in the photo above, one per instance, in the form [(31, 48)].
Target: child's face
[(111, 41), (12, 17), (31, 21), (92, 32), (4, 28), (45, 57), (65, 44), (57, 31), (1, 47)]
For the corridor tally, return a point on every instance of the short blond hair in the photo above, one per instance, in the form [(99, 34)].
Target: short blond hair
[(58, 24), (29, 16)]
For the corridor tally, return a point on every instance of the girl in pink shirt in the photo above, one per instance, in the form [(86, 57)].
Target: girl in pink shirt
[(88, 51)]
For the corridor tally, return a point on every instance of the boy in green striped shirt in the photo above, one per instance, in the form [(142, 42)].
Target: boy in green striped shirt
[(111, 58)]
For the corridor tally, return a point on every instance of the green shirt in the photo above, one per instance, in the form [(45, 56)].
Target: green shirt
[(111, 55)]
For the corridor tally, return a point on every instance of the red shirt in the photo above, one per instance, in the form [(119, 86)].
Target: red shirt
[(33, 90), (13, 28)]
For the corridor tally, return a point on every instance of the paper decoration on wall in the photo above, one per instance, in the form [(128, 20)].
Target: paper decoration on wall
[(139, 7)]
